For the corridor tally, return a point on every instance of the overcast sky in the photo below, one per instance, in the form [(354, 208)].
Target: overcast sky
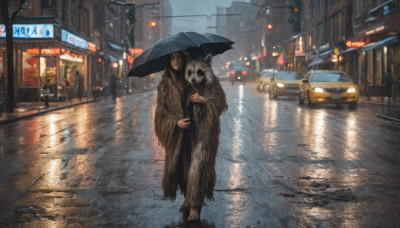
[(193, 7)]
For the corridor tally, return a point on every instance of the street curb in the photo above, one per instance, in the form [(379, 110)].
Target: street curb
[(44, 111), (387, 118)]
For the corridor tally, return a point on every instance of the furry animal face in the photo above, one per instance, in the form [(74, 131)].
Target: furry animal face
[(199, 70)]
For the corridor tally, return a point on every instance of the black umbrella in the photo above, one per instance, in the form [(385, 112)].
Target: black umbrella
[(154, 59)]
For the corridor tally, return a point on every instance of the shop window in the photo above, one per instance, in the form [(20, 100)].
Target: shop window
[(30, 68)]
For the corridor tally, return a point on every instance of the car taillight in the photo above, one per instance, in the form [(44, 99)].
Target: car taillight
[(232, 73), (244, 72)]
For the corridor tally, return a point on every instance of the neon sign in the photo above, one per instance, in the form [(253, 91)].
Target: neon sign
[(29, 31), (74, 40), (92, 46), (355, 44), (50, 51)]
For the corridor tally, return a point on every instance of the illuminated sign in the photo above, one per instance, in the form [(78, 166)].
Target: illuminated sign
[(380, 28), (33, 51), (50, 51), (135, 51), (355, 44), (92, 46), (29, 31), (130, 59), (74, 40)]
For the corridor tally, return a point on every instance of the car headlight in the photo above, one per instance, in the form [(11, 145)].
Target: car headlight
[(280, 85), (351, 90), (318, 90)]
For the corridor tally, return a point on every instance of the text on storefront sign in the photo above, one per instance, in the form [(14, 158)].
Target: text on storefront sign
[(31, 31)]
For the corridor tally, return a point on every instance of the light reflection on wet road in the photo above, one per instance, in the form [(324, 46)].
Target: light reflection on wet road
[(279, 165)]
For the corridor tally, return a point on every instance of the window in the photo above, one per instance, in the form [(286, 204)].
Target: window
[(86, 21), (48, 3)]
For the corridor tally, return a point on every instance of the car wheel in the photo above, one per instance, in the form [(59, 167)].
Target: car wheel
[(353, 105), (301, 101)]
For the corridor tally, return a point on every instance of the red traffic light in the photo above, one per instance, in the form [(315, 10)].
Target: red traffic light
[(153, 24), (269, 26)]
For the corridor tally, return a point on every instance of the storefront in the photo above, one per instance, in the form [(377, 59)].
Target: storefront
[(43, 62)]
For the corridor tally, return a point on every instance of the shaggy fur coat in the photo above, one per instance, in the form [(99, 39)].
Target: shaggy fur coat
[(170, 109), (199, 175), (196, 178)]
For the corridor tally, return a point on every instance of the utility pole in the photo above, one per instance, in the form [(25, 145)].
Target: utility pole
[(8, 22)]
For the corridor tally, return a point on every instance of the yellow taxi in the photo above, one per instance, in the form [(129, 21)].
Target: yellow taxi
[(285, 83), (328, 87)]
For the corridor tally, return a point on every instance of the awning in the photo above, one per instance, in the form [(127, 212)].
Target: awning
[(381, 5), (112, 58), (326, 53), (116, 47), (315, 62), (389, 41), (348, 50)]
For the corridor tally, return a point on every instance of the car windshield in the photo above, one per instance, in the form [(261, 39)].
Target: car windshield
[(289, 76), (329, 77), (268, 74)]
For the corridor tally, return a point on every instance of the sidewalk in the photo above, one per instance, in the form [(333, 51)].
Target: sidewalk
[(29, 109)]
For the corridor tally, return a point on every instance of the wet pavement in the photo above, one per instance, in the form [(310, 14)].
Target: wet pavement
[(279, 165)]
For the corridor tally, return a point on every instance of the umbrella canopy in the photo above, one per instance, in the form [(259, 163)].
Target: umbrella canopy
[(154, 59)]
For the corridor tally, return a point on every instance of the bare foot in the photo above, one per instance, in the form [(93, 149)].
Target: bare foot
[(194, 215)]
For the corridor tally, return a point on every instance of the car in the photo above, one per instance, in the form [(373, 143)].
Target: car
[(265, 80), (333, 87), (285, 83), (238, 71)]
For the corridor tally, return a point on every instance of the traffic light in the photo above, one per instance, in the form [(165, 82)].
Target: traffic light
[(295, 15), (153, 24), (269, 27), (131, 15)]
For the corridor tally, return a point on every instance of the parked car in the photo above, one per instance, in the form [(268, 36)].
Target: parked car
[(238, 71), (328, 87), (265, 80), (285, 83)]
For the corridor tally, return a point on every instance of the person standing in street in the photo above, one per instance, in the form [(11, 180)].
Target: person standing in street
[(113, 86), (172, 128), (387, 81)]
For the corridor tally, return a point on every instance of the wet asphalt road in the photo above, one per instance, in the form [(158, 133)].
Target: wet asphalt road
[(279, 165)]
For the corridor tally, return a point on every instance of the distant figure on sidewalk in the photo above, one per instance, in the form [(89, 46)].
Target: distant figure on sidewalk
[(387, 81), (80, 87), (113, 86), (66, 86)]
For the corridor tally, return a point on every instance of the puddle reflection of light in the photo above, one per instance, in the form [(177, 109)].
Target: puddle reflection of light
[(350, 151), (236, 168), (52, 141), (83, 128), (270, 122), (118, 131), (53, 175), (319, 133)]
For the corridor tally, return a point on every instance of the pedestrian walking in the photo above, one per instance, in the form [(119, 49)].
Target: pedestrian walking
[(80, 88), (113, 86), (190, 169)]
